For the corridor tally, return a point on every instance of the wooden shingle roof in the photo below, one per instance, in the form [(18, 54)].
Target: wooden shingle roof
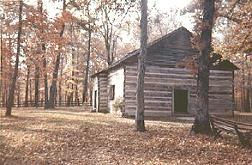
[(133, 54)]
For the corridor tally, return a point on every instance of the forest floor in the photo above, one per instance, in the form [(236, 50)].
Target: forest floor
[(71, 136)]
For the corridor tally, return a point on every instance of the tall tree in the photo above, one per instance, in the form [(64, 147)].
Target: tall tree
[(1, 58), (45, 79), (36, 85), (157, 21), (139, 118), (234, 22), (27, 86), (53, 87), (201, 122), (113, 15), (15, 72), (85, 83), (60, 80), (89, 26), (43, 45)]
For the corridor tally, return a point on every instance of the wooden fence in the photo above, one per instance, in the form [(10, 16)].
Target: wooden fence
[(242, 130), (41, 104)]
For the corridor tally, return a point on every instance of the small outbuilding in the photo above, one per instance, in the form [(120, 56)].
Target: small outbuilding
[(169, 89)]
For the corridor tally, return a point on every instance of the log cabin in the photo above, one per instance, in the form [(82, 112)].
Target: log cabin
[(169, 89)]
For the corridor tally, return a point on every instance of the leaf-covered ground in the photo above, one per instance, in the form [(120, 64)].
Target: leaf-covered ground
[(70, 136)]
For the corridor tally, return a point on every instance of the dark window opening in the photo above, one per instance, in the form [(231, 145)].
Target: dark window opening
[(112, 92), (180, 101)]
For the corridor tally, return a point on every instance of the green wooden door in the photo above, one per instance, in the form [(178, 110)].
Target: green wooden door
[(180, 101)]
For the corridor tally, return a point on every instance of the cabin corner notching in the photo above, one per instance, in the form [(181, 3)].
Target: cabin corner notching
[(168, 90)]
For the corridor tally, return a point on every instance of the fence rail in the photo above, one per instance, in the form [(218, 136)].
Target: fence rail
[(242, 130), (41, 104)]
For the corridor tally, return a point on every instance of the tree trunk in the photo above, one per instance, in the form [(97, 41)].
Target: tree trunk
[(36, 85), (30, 83), (1, 67), (85, 85), (53, 87), (233, 94), (90, 95), (65, 98), (45, 83), (60, 81), (201, 122), (243, 96), (55, 99), (18, 94), (247, 89), (77, 102), (27, 87), (4, 95), (78, 74), (43, 46), (111, 53), (108, 31), (73, 79), (107, 45), (139, 118), (15, 74)]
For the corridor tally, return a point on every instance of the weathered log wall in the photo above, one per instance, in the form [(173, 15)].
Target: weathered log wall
[(102, 92), (171, 49), (162, 77), (160, 83)]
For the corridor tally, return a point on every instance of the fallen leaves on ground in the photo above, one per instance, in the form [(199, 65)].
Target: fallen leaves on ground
[(75, 137)]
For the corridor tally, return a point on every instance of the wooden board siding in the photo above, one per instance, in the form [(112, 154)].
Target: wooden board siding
[(162, 78), (160, 83), (179, 38), (102, 92), (171, 50), (221, 91), (168, 56), (116, 77)]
